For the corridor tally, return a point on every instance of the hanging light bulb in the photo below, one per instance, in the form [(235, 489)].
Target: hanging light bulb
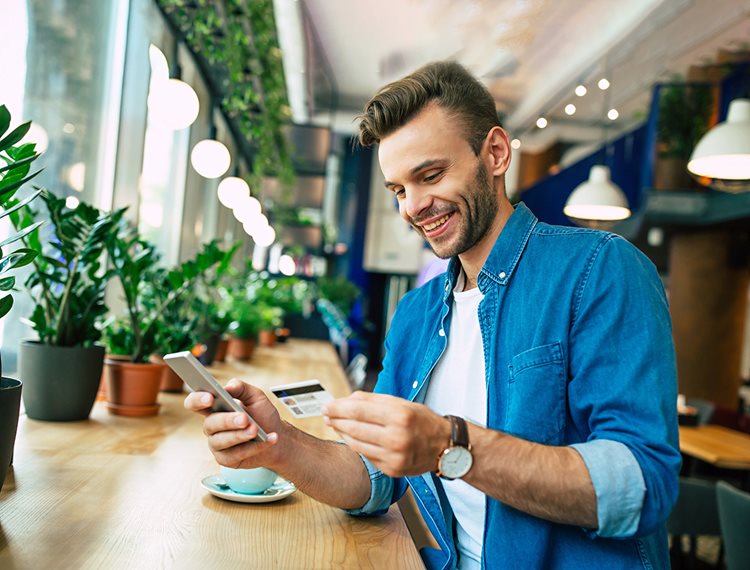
[(597, 200), (287, 265), (266, 237), (232, 190), (247, 210), (723, 153), (581, 90), (171, 102), (210, 158)]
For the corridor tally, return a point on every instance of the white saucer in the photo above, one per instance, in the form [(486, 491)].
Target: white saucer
[(281, 488)]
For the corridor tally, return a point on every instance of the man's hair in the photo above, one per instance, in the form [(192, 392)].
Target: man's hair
[(446, 83)]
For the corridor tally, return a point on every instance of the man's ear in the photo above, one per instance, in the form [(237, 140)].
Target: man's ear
[(498, 151)]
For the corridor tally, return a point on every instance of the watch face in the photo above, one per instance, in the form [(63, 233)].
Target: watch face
[(456, 462)]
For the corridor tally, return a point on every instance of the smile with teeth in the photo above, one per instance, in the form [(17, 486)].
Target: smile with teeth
[(436, 224)]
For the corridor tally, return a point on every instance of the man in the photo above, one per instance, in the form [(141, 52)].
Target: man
[(549, 347)]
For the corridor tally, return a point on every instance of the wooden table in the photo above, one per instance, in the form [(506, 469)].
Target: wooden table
[(117, 492), (717, 445)]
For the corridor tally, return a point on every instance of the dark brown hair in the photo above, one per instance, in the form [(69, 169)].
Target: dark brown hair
[(446, 83)]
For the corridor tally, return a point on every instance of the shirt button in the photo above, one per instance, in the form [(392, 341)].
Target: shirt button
[(502, 275), (414, 386), (441, 332)]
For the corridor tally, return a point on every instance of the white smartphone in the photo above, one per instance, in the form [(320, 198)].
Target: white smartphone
[(199, 379)]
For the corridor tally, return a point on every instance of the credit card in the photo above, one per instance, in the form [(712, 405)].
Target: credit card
[(304, 399)]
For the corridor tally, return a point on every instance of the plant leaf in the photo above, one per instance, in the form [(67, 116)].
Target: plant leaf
[(16, 135), (4, 119), (21, 162), (7, 283), (24, 232), (5, 305)]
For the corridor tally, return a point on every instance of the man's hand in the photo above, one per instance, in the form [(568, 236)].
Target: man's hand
[(231, 435), (399, 437)]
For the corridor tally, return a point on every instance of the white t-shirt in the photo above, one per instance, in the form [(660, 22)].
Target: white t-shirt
[(457, 387)]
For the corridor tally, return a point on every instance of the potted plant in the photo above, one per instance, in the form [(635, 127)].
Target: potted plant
[(206, 303), (62, 369), (15, 164), (245, 326), (133, 385), (684, 114), (270, 319), (176, 330)]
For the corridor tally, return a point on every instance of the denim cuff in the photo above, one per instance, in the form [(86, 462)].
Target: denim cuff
[(381, 492), (618, 484)]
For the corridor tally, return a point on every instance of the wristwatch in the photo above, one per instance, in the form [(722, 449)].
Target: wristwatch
[(456, 459)]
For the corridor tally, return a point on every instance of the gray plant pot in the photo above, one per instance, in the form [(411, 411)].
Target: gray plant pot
[(10, 403), (60, 382)]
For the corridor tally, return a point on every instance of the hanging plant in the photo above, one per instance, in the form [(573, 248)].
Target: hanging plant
[(237, 39)]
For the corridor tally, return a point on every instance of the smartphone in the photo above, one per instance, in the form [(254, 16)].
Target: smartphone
[(199, 379)]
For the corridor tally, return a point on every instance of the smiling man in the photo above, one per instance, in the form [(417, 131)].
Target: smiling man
[(528, 396)]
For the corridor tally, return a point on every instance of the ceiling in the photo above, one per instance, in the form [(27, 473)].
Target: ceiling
[(530, 53)]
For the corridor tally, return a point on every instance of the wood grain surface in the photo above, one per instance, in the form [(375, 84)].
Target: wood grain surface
[(118, 492), (720, 446)]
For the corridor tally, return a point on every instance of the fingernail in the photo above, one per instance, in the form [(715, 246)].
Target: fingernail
[(239, 421), (273, 437), (326, 420), (205, 399)]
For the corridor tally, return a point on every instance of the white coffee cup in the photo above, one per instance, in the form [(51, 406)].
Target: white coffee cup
[(248, 481)]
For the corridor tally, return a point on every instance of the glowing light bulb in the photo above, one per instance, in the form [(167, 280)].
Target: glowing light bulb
[(581, 90), (541, 122), (515, 144), (570, 109), (210, 158), (232, 190), (603, 84)]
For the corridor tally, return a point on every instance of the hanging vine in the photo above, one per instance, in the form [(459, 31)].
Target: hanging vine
[(237, 38)]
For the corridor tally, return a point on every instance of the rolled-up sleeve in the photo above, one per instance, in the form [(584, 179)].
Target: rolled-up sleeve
[(381, 492), (622, 390), (618, 484)]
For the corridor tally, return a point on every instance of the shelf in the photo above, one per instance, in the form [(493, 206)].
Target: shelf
[(691, 208)]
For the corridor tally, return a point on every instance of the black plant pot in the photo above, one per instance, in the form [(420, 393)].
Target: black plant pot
[(212, 343), (60, 382), (10, 403)]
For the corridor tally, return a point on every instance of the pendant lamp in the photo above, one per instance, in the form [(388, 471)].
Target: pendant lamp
[(598, 202), (174, 103), (209, 157), (723, 153)]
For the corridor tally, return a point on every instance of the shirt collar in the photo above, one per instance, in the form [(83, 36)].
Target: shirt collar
[(505, 254)]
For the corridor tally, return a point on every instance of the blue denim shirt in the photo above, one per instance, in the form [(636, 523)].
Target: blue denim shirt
[(578, 352)]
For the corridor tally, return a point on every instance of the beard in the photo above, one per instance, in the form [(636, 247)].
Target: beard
[(478, 208)]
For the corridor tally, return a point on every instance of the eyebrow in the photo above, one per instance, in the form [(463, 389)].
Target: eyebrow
[(417, 168)]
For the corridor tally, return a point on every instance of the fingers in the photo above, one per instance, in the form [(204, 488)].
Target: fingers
[(370, 408), (234, 451), (245, 393), (199, 402)]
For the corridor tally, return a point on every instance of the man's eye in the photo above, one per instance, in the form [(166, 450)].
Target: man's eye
[(432, 177), (400, 193)]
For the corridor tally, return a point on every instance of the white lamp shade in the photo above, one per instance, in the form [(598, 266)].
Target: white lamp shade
[(287, 265), (597, 199), (173, 103), (247, 211), (232, 190), (210, 158), (724, 151), (265, 237)]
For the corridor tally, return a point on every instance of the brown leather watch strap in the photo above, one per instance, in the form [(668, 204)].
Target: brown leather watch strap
[(459, 432)]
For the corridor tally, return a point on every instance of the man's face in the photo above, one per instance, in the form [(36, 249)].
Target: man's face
[(443, 188)]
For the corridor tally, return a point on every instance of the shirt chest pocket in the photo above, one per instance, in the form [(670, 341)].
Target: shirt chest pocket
[(536, 395)]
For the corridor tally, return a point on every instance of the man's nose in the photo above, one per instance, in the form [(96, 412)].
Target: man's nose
[(415, 203)]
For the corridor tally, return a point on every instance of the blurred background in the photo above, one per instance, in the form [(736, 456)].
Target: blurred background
[(234, 120)]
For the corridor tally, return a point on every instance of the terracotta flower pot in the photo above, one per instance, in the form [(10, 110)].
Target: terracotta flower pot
[(241, 348), (132, 389), (221, 350), (267, 338), (170, 381)]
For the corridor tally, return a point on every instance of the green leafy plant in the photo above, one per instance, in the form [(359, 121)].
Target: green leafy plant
[(339, 291), (134, 263), (247, 320), (206, 302), (15, 165), (684, 112), (69, 281)]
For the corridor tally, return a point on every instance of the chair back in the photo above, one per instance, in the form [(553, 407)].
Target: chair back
[(696, 511), (734, 514)]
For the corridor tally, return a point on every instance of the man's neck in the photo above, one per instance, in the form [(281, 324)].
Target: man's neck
[(474, 259)]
